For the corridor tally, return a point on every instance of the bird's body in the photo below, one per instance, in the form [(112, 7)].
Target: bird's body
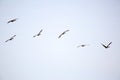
[(13, 20), (38, 33), (62, 33), (106, 46), (10, 38), (82, 45)]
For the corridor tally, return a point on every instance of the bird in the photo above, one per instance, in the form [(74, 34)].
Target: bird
[(82, 45), (63, 33), (12, 20), (38, 33), (10, 38), (106, 46)]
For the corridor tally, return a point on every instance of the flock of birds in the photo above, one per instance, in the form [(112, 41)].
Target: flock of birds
[(82, 45)]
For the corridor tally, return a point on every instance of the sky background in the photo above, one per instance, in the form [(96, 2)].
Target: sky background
[(48, 58)]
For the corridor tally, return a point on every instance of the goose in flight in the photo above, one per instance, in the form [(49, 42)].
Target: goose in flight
[(106, 46), (12, 20), (10, 38), (38, 33), (63, 33), (82, 45)]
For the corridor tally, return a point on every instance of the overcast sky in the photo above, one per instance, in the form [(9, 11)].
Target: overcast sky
[(46, 57)]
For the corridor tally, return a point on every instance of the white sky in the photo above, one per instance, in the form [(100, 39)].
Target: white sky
[(48, 58)]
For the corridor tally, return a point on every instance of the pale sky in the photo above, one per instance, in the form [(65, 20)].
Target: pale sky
[(48, 58)]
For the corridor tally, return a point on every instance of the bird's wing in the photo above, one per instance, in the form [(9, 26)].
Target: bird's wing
[(66, 31), (40, 31), (7, 40), (61, 35), (109, 43), (34, 35), (103, 45), (78, 46), (12, 20), (9, 21), (13, 36)]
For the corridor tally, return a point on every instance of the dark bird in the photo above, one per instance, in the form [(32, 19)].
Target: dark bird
[(38, 33), (63, 33), (106, 46), (10, 38), (82, 45), (13, 20)]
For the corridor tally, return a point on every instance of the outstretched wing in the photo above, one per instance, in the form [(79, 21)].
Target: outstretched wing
[(109, 44), (66, 31), (7, 40), (40, 31), (82, 45), (12, 20), (60, 35), (10, 38), (103, 45), (9, 21), (63, 33), (34, 35), (13, 36)]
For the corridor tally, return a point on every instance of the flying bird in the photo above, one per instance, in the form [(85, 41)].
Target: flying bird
[(10, 38), (82, 45), (62, 33), (38, 33), (12, 20), (106, 46)]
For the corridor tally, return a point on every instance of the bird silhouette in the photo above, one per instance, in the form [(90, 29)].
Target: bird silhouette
[(106, 46), (13, 20), (38, 33), (10, 38), (62, 33), (82, 45)]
